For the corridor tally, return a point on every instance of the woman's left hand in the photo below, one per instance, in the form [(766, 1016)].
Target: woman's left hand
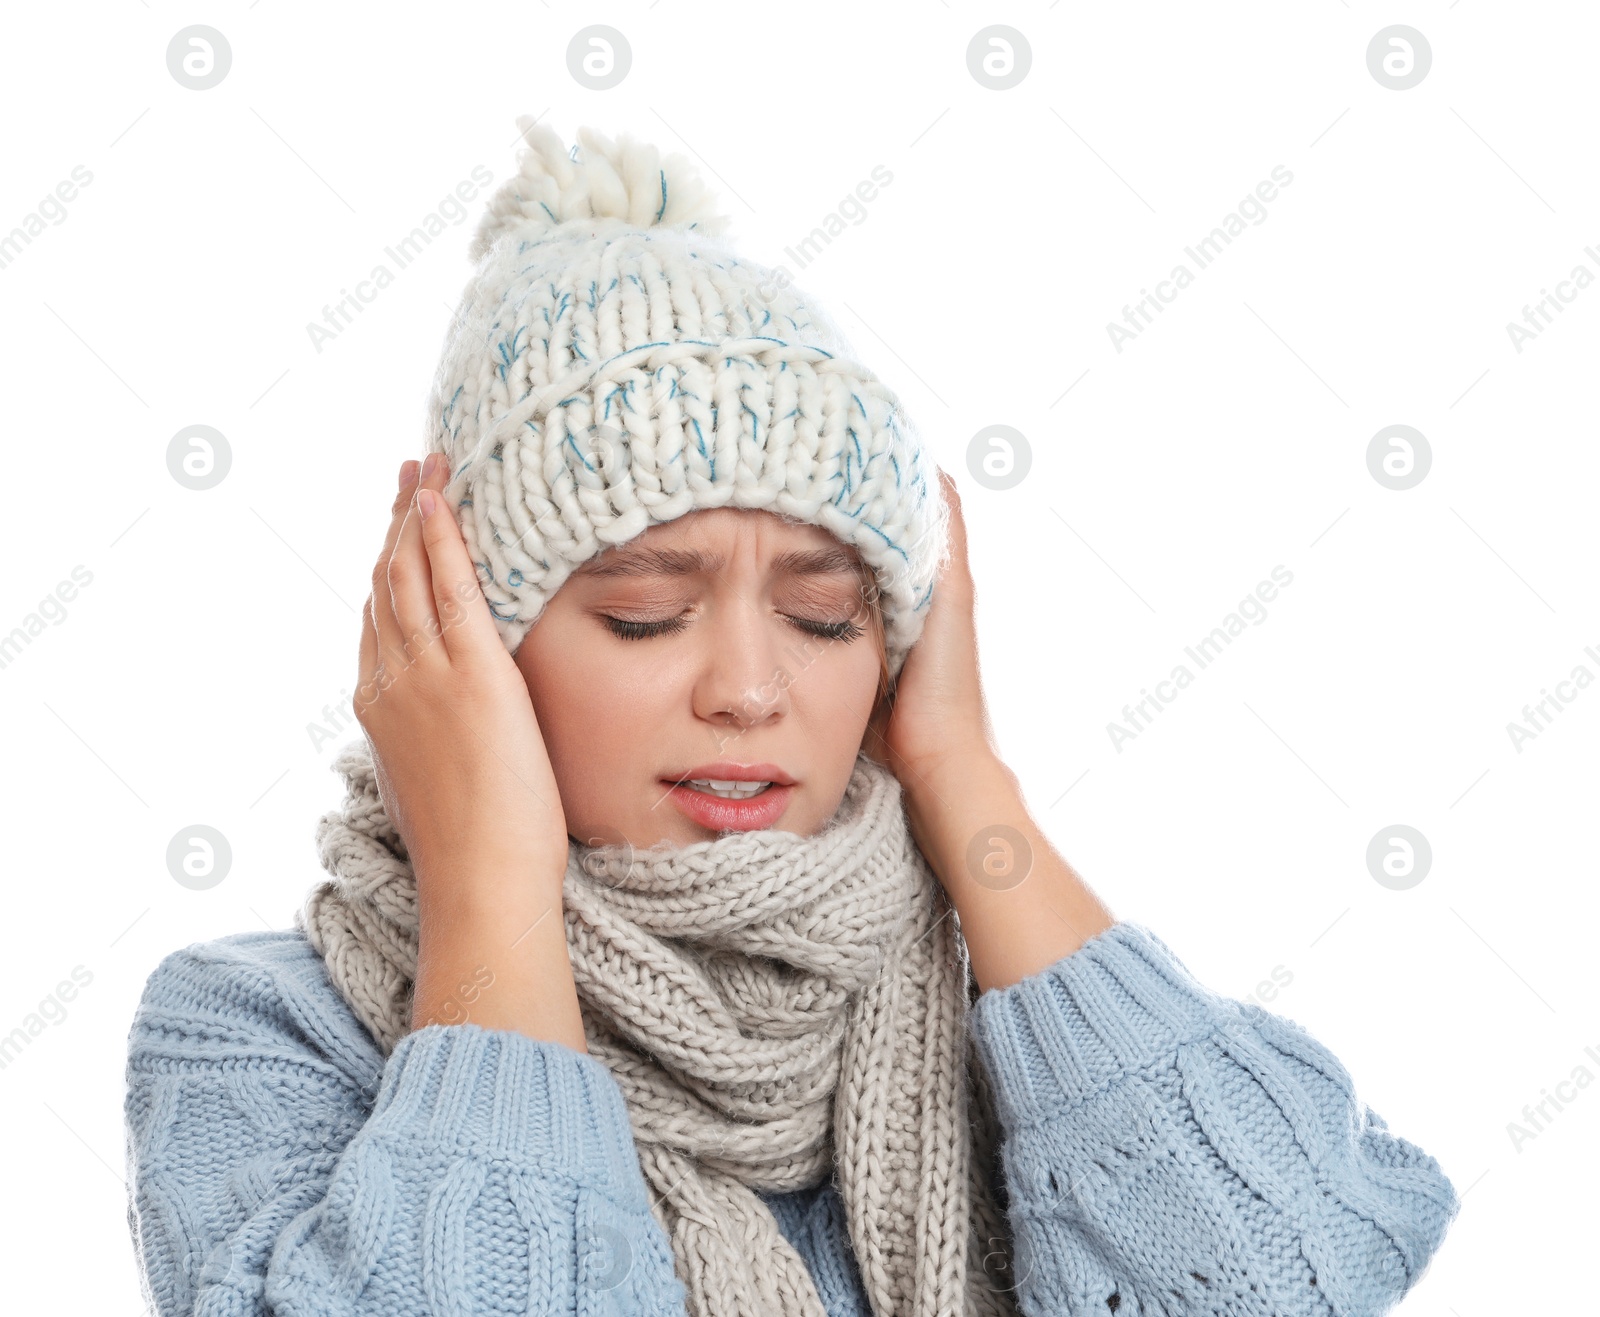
[(935, 716), (965, 807)]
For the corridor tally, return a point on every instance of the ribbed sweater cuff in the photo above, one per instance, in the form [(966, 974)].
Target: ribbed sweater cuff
[(501, 1093), (1119, 1002)]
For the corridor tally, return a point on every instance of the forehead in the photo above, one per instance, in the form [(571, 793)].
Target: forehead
[(707, 539)]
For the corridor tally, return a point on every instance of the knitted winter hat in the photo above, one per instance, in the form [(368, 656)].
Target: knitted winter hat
[(614, 364)]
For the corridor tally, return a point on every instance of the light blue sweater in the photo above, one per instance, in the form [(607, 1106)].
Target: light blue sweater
[(1165, 1151)]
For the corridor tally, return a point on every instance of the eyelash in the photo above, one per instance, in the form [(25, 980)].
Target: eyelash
[(626, 630)]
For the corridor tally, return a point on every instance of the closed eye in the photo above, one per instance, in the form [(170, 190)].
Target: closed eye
[(625, 629), (845, 630), (642, 630)]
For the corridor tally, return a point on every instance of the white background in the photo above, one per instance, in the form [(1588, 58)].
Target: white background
[(1167, 479)]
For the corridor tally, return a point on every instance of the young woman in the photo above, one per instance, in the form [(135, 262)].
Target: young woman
[(687, 946)]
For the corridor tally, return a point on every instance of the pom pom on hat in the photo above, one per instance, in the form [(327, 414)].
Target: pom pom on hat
[(625, 179)]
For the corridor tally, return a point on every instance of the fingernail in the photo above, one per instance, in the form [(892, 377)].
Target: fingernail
[(425, 503), (429, 464), (408, 472)]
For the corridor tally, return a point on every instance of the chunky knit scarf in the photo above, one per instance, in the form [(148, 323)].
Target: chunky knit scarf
[(776, 1010)]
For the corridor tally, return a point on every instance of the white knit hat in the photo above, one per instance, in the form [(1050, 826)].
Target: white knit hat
[(614, 364)]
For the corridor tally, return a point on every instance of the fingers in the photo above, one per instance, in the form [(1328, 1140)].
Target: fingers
[(373, 641), (410, 583), (952, 498), (388, 643), (958, 569), (366, 673), (458, 598)]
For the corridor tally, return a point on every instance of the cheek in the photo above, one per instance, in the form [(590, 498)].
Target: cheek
[(584, 694), (834, 697), (601, 706)]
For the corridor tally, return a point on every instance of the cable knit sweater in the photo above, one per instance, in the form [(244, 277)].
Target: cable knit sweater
[(1165, 1151)]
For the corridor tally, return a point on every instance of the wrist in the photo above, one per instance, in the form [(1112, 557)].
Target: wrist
[(508, 931), (1022, 907), (488, 886), (951, 804), (959, 784), (499, 973), (960, 754)]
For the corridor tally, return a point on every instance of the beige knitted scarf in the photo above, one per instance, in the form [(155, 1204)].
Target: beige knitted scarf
[(776, 1009)]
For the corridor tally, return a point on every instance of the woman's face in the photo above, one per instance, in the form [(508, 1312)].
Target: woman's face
[(726, 644)]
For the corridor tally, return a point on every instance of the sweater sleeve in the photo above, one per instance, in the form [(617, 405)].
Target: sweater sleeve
[(1165, 1149), (476, 1170)]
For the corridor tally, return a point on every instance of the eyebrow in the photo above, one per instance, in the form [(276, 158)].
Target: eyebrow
[(690, 562)]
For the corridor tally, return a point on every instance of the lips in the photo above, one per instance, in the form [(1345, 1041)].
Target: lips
[(727, 814), (725, 770)]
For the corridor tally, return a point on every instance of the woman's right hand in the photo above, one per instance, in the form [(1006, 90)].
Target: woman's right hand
[(460, 761)]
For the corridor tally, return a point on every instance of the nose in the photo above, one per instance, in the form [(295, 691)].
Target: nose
[(743, 681)]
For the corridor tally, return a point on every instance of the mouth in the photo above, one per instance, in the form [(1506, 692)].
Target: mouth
[(729, 789), (732, 797)]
